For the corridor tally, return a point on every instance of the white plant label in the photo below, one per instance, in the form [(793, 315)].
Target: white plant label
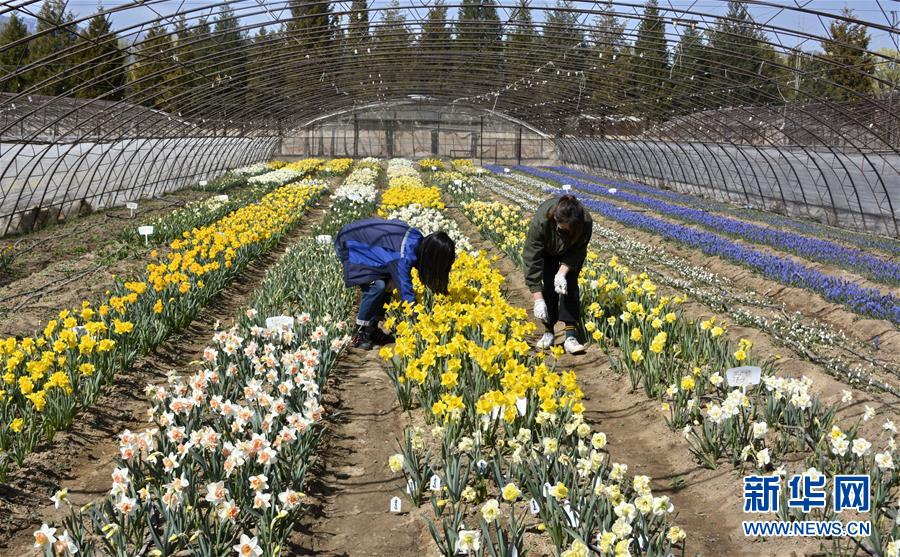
[(566, 187), (396, 505), (435, 483), (546, 490), (457, 182), (323, 238), (131, 206), (223, 198), (533, 505), (279, 322), (482, 466), (203, 183), (572, 515), (506, 170), (613, 190), (522, 405), (743, 376)]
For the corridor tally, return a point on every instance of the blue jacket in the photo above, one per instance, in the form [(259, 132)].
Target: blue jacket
[(373, 249)]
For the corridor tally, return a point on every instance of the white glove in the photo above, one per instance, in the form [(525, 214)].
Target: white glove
[(559, 284), (540, 309)]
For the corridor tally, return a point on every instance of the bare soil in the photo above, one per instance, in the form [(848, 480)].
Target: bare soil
[(59, 266)]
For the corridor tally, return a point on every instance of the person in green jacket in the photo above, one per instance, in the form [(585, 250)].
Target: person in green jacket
[(554, 252)]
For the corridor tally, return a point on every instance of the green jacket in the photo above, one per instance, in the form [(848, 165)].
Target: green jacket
[(544, 241)]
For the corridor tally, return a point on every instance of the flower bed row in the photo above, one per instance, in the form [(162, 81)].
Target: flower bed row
[(48, 378), (509, 450), (356, 198), (876, 268), (864, 301), (864, 241), (235, 178), (222, 468), (405, 187), (682, 364)]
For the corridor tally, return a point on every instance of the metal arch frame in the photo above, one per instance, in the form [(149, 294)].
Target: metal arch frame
[(498, 90)]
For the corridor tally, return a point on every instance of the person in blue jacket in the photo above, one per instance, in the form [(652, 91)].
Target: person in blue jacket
[(374, 252)]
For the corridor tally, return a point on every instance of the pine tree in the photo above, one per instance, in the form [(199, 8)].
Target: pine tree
[(649, 78), (479, 34), (151, 67), (358, 24), (742, 70), (103, 72), (431, 61), (11, 59), (561, 30), (850, 65), (521, 43), (259, 70), (310, 24), (887, 71), (230, 44), (56, 24), (608, 71), (689, 71)]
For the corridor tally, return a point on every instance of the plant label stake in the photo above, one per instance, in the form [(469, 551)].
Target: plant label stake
[(482, 467), (506, 171), (79, 330), (131, 206), (547, 490), (279, 322), (566, 187), (743, 377), (522, 405), (533, 505), (223, 198), (613, 190), (410, 486), (323, 238), (203, 183), (435, 483), (396, 505), (457, 182), (146, 232)]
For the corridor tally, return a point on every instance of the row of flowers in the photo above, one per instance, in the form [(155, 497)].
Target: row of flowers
[(48, 378), (405, 188), (682, 364), (234, 178), (202, 212), (862, 300), (876, 268), (509, 453), (222, 469), (832, 350), (356, 198), (809, 228)]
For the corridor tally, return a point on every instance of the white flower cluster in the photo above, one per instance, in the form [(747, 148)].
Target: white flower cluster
[(252, 170), (795, 390), (277, 177), (401, 167), (359, 187), (730, 407), (431, 220)]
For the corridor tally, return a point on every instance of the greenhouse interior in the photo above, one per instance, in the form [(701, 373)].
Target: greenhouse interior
[(487, 278)]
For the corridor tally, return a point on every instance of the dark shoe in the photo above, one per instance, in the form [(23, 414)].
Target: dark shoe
[(363, 338), (380, 338)]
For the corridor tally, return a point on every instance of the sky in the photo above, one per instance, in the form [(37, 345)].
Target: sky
[(774, 12)]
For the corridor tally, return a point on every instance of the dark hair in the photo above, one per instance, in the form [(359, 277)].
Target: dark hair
[(568, 211), (435, 256)]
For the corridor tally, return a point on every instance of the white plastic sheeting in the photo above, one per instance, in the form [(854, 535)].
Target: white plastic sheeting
[(45, 181)]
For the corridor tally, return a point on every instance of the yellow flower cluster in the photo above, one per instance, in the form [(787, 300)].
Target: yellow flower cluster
[(306, 166), (431, 164), (464, 166), (503, 223), (474, 332), (62, 360), (336, 167), (407, 190), (276, 164)]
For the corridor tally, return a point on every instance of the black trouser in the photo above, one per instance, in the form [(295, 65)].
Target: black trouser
[(569, 311)]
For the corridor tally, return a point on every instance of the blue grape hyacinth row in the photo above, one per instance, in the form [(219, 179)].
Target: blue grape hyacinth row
[(815, 249), (862, 300)]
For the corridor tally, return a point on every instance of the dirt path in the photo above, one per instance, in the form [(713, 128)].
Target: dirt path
[(709, 504), (353, 486), (81, 458)]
